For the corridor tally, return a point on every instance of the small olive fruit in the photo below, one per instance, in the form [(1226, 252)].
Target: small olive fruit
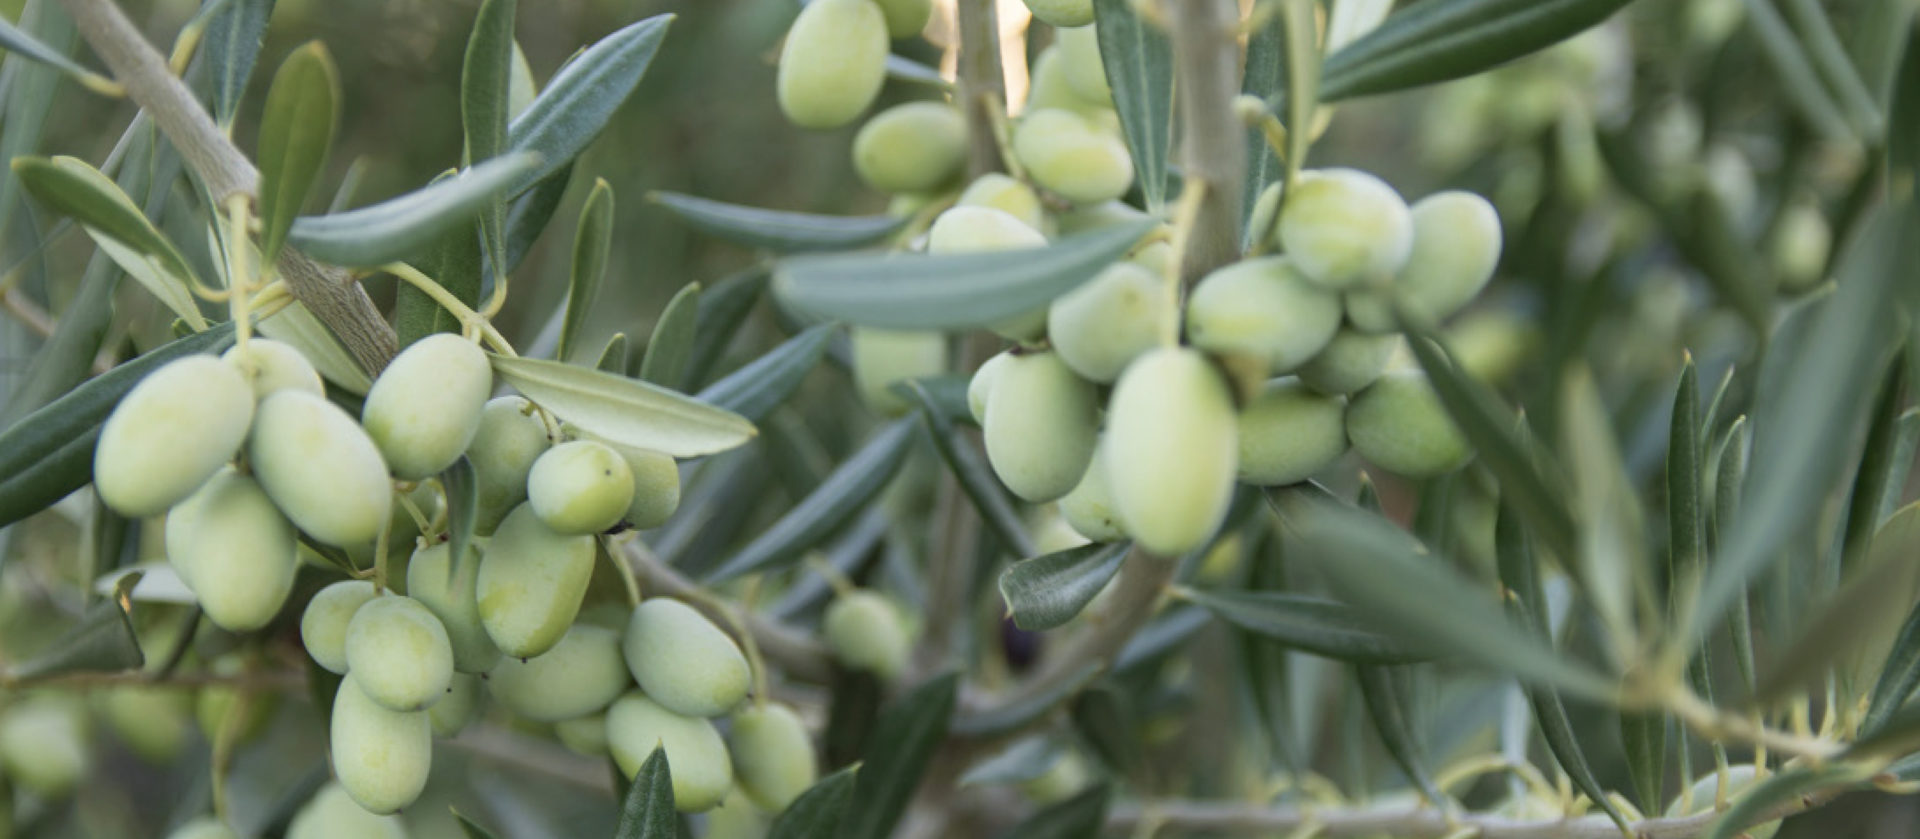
[(510, 438), (772, 755), (833, 64), (204, 827), (1344, 227), (1265, 308), (1062, 13), (170, 433), (458, 708), (1456, 245), (865, 633), (381, 756), (1080, 59), (656, 487), (1101, 326), (155, 721), (1800, 247), (320, 468), (399, 654), (323, 626), (981, 386), (737, 818), (905, 18), (682, 660), (44, 744), (235, 549), (1001, 192), (584, 735), (1349, 362), (531, 583), (1399, 424), (270, 365), (882, 357), (1266, 209), (424, 408), (1089, 508), (449, 594), (912, 147), (332, 813), (1042, 422), (1288, 432), (581, 675), (1170, 449), (702, 772), (1050, 87), (1068, 155), (580, 486)]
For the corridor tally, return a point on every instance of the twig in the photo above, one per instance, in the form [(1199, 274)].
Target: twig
[(983, 84), (500, 745), (276, 680), (1213, 150), (799, 656)]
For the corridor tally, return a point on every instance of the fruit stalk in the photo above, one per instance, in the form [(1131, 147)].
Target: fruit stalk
[(1213, 152)]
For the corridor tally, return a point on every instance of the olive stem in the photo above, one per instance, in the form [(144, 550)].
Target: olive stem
[(380, 553), (1213, 148), (1715, 724), (983, 82), (420, 519), (837, 581), (468, 317), (239, 283), (1185, 214), (624, 570)]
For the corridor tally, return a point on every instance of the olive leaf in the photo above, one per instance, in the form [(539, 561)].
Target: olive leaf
[(898, 752), (297, 326), (462, 488), (1138, 59), (1779, 793), (1438, 40), (1079, 816), (613, 356), (724, 307), (398, 227), (581, 98), (72, 187), (778, 231), (1308, 624), (672, 338), (1382, 691), (102, 642), (591, 243), (971, 470), (1162, 635), (754, 390), (468, 827), (818, 812), (626, 411), (229, 48), (908, 70), (296, 131), (1024, 709), (647, 811), (486, 81), (17, 42)]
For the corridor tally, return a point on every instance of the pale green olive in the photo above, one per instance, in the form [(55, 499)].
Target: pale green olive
[(1288, 432), (1801, 242), (1170, 450), (580, 487), (1101, 326), (1344, 227), (1050, 88), (44, 744), (1070, 156), (204, 827), (235, 550), (1000, 192), (1266, 210), (155, 721), (532, 581), (579, 676), (323, 626), (399, 654), (170, 433), (865, 633), (380, 756), (1041, 424), (320, 468), (833, 63), (912, 147), (656, 488), (584, 735), (449, 594), (424, 408), (737, 818), (1080, 59), (969, 229), (458, 708), (1156, 256), (980, 386), (1456, 245), (1398, 424), (882, 357), (1062, 13), (332, 814), (1265, 308), (510, 438), (682, 660), (1349, 362), (773, 758), (905, 18), (702, 772), (270, 365), (1089, 508)]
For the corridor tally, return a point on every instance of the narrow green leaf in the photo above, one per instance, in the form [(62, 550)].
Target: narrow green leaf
[(908, 70), (31, 88), (1643, 737), (647, 812), (581, 98), (1438, 41), (1139, 64), (1025, 760), (468, 827), (818, 812), (169, 288), (399, 227), (1836, 68), (486, 82), (613, 356), (1899, 674), (1781, 792), (947, 396), (1799, 81), (837, 499), (626, 411), (1686, 525), (1903, 115), (18, 42), (102, 642), (1264, 76), (1378, 690), (778, 231), (1013, 716), (754, 390), (1856, 623), (1082, 816), (975, 477), (297, 326), (462, 487), (67, 356), (724, 307), (1610, 562), (229, 48), (1872, 483), (948, 291), (1103, 717), (529, 214), (1047, 591), (1309, 624), (1301, 26), (453, 260), (672, 340), (1731, 475), (1166, 632), (72, 187), (592, 241), (296, 131), (902, 744)]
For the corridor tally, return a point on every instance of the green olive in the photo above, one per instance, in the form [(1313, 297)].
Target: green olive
[(656, 487), (834, 62), (170, 433), (155, 721), (1062, 13), (882, 357), (980, 386), (865, 633), (1000, 192), (1349, 362), (380, 756), (44, 744), (737, 818), (912, 147), (458, 708), (1398, 424), (1170, 449), (1265, 308), (773, 758), (449, 594), (682, 660), (235, 550), (1102, 325), (1070, 156), (1089, 508), (580, 487), (1041, 424), (1080, 58), (1156, 256), (1801, 242), (204, 827), (1050, 88), (332, 813), (510, 438), (532, 581), (320, 468), (425, 407), (906, 18), (579, 676), (702, 772), (323, 626), (1456, 245), (584, 735), (270, 365), (399, 654), (1344, 227), (1266, 210), (1288, 432)]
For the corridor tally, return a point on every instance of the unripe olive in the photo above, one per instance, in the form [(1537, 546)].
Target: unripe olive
[(1050, 88), (584, 735), (702, 772), (44, 744), (270, 365), (458, 707), (1265, 308), (531, 583), (218, 706), (1344, 227), (981, 386), (912, 147), (905, 18), (1800, 246), (682, 660), (579, 676), (1398, 424), (381, 756), (320, 468), (1066, 154), (170, 433), (1089, 508), (331, 814), (1042, 422), (424, 408), (1156, 256), (1288, 432), (737, 818), (864, 632), (1000, 192), (1493, 344), (1065, 777), (1080, 60), (1706, 789), (1062, 13), (155, 721), (1170, 449), (580, 486), (1456, 245), (323, 626), (772, 755), (235, 549), (1349, 362), (656, 488), (1266, 210), (449, 594), (1102, 325), (399, 654), (205, 827), (510, 438), (834, 62), (882, 357)]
